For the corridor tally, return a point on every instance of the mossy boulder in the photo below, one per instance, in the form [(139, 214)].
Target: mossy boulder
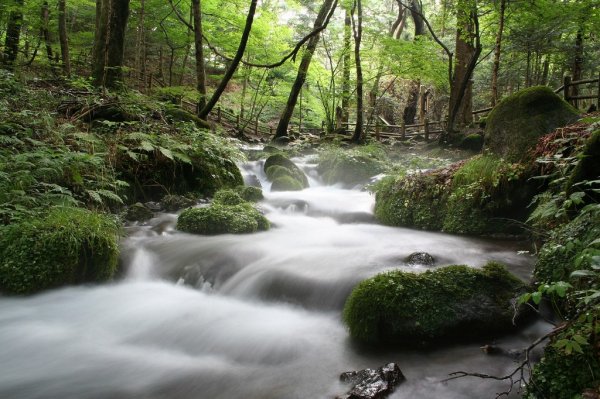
[(138, 213), (286, 183), (281, 162), (448, 304), (250, 193), (227, 197), (587, 169), (556, 259), (222, 219), (514, 126), (351, 166), (68, 246), (472, 142)]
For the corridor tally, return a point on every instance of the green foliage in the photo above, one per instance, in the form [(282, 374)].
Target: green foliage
[(222, 219), (515, 125), (67, 246), (351, 166), (454, 302)]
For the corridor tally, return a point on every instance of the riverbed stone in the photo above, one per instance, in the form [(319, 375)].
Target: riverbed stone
[(420, 258), (281, 162), (173, 203), (452, 303), (138, 212), (372, 383)]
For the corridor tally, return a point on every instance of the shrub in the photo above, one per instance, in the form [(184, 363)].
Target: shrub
[(454, 302), (68, 246)]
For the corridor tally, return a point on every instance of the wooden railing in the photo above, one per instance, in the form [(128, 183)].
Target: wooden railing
[(426, 130)]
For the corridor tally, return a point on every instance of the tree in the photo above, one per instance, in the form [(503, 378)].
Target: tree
[(358, 136), (282, 127), (497, 51), (63, 37), (109, 42), (13, 35)]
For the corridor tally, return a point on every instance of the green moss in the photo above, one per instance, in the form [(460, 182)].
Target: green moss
[(275, 171), (227, 197), (561, 375), (556, 260), (351, 166), (588, 168), (283, 163), (68, 246), (473, 142), (454, 302), (249, 193), (286, 183), (514, 126), (222, 219)]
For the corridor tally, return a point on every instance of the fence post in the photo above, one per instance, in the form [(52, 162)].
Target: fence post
[(219, 113), (567, 84), (403, 130), (426, 129), (377, 130), (598, 99)]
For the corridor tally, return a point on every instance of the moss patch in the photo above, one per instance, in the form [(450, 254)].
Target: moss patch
[(68, 246), (514, 126), (351, 166), (283, 163), (286, 183), (249, 193), (454, 302), (227, 197)]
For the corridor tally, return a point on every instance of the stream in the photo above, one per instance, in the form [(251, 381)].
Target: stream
[(243, 316)]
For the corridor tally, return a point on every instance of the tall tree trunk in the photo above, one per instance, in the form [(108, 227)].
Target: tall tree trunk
[(286, 115), (140, 61), (468, 49), (13, 34), (497, 52), (199, 52), (358, 136), (410, 111), (109, 42), (63, 37), (346, 71), (234, 63), (528, 69), (45, 32), (545, 71), (416, 13)]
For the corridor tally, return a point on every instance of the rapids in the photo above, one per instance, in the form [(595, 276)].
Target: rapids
[(242, 316)]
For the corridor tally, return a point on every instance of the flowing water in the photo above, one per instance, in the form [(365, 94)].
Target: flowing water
[(242, 316)]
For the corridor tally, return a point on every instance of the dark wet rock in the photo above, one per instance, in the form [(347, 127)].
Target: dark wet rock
[(252, 181), (153, 206), (281, 141), (172, 203), (420, 258), (372, 384), (138, 213)]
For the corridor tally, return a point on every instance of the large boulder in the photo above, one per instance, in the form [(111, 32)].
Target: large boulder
[(448, 304), (67, 246), (284, 174), (351, 166), (514, 126)]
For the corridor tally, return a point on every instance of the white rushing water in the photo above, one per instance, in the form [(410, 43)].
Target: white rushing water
[(240, 316)]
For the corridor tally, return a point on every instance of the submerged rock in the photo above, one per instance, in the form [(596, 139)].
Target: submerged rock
[(372, 384), (420, 258), (173, 203)]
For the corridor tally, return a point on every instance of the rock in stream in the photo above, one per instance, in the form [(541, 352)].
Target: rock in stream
[(372, 384)]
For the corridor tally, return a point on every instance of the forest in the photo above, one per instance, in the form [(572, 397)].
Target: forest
[(298, 198)]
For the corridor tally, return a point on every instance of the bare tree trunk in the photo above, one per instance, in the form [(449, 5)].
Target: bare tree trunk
[(497, 52), (45, 33), (109, 42), (358, 136), (528, 69), (545, 71), (311, 45), (410, 111), (63, 37), (140, 62), (577, 65), (199, 53), (13, 34), (234, 63)]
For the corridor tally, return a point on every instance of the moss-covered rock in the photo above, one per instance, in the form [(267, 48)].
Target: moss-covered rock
[(587, 169), (249, 193), (351, 166), (68, 246), (472, 142), (138, 213), (451, 303), (562, 375), (222, 219), (284, 163), (173, 203), (286, 183), (514, 126), (556, 260), (227, 197)]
